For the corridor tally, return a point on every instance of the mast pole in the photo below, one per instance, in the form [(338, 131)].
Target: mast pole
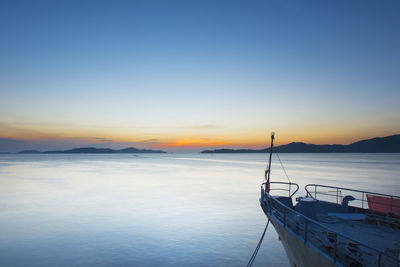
[(268, 171)]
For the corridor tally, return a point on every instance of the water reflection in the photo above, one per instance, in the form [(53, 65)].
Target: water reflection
[(158, 210)]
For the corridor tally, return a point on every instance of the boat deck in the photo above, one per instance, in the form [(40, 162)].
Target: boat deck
[(347, 235), (375, 234), (369, 232)]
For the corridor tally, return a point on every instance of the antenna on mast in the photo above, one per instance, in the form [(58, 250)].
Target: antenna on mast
[(268, 170)]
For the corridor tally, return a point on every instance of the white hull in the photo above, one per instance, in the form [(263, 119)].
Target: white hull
[(300, 254)]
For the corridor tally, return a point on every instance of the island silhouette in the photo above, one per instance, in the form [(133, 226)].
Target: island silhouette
[(388, 144), (93, 150)]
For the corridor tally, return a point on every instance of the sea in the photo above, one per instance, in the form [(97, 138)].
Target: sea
[(159, 209)]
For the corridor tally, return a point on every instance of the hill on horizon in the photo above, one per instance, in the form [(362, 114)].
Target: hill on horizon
[(92, 150), (388, 144)]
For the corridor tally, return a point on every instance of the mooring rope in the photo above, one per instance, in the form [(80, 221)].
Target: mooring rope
[(253, 257)]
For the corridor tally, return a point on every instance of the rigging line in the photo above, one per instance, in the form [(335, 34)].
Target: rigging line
[(253, 257), (276, 153)]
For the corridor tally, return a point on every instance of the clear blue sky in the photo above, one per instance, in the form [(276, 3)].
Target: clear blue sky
[(199, 73)]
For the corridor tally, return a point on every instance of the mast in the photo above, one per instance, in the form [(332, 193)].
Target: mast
[(268, 171)]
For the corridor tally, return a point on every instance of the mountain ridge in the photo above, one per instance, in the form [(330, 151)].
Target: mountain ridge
[(92, 150), (388, 144)]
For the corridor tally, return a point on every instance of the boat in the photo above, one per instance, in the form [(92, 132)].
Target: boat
[(332, 226)]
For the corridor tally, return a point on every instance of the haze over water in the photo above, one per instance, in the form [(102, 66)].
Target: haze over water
[(158, 210)]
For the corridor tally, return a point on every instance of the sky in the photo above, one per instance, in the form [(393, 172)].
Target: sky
[(190, 75)]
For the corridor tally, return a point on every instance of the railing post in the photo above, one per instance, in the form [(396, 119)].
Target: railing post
[(305, 231), (337, 195), (315, 191), (362, 202)]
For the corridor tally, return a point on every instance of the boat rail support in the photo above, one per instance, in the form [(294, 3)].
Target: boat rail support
[(363, 197), (337, 195), (315, 191), (362, 201)]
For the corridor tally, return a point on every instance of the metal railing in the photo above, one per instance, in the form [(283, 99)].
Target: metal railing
[(361, 197), (334, 245), (289, 189)]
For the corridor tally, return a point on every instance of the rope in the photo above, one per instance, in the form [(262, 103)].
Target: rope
[(253, 257), (276, 153)]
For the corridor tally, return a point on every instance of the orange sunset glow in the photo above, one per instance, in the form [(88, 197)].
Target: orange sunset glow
[(219, 87)]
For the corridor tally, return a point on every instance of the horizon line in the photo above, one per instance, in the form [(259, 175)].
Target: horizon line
[(62, 146)]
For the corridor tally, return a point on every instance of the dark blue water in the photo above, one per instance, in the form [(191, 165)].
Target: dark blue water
[(158, 210)]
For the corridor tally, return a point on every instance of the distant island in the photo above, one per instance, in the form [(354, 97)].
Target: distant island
[(93, 150), (389, 144)]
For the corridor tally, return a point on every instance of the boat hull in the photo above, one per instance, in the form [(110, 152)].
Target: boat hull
[(299, 253)]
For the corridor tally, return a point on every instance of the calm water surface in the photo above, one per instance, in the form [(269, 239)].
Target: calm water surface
[(158, 210)]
